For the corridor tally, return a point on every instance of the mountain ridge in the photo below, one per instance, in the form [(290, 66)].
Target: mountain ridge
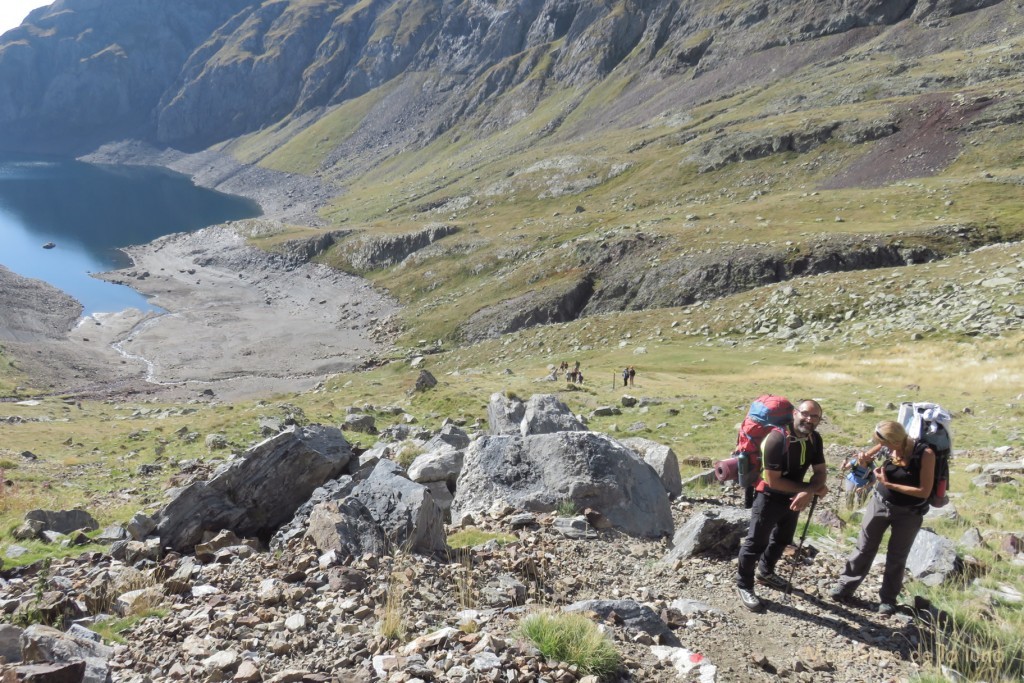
[(202, 76)]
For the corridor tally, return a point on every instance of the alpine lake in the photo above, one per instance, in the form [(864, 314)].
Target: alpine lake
[(61, 220)]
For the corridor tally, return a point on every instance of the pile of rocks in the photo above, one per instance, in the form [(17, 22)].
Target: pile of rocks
[(356, 586)]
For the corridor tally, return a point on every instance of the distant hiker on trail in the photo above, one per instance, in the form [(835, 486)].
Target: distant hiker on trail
[(905, 481), (860, 477), (781, 495), (625, 377), (632, 373)]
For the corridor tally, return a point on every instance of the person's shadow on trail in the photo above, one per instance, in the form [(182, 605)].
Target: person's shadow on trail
[(868, 629)]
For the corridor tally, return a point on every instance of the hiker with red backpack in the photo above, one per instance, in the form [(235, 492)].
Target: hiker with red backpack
[(786, 455)]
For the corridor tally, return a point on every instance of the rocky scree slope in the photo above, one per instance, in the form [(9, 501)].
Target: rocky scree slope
[(294, 615)]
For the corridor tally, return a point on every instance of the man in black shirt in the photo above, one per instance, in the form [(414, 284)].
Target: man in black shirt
[(786, 455)]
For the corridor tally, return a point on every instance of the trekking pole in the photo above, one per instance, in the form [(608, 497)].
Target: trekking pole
[(796, 555)]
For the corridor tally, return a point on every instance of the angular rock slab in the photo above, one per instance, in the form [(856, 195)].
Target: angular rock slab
[(933, 558), (43, 644), (546, 414), (347, 527), (719, 532), (535, 473), (504, 415), (663, 459), (411, 520), (632, 614), (257, 493)]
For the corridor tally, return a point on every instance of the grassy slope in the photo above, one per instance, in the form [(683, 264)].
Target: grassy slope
[(514, 190), (91, 455)]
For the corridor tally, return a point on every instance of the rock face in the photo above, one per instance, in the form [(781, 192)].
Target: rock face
[(192, 73), (257, 493), (559, 303), (381, 251), (536, 473), (83, 71)]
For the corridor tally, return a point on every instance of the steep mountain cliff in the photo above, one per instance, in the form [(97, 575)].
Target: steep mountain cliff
[(78, 73), (190, 74)]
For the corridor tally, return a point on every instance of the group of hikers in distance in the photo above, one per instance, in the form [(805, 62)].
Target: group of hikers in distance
[(575, 375), (907, 478)]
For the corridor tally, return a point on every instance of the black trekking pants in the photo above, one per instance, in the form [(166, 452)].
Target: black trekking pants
[(772, 527)]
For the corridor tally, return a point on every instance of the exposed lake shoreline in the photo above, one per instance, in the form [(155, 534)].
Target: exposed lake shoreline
[(239, 323)]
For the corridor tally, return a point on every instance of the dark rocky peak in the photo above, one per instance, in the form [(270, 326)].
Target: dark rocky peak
[(190, 74), (82, 71)]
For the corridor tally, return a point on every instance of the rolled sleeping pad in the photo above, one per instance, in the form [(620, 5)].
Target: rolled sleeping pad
[(726, 470)]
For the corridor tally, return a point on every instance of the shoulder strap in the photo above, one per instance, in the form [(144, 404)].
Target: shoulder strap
[(920, 446)]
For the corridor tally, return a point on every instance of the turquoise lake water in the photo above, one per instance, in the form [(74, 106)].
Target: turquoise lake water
[(88, 211)]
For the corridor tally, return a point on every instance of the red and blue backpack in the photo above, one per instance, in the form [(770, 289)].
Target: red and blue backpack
[(766, 413)]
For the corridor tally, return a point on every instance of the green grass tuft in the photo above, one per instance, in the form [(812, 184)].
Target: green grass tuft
[(470, 538), (574, 639)]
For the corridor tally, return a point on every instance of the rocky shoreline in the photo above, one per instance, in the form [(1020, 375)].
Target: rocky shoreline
[(285, 197), (238, 323)]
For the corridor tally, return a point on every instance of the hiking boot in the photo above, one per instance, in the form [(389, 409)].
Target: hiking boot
[(773, 580), (749, 600), (886, 609), (839, 594)]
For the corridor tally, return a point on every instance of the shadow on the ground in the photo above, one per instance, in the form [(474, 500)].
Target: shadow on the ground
[(846, 619)]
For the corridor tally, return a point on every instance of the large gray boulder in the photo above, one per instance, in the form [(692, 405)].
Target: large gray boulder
[(710, 532), (933, 558), (411, 520), (257, 493), (62, 521), (546, 414), (504, 415), (537, 472), (663, 459)]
